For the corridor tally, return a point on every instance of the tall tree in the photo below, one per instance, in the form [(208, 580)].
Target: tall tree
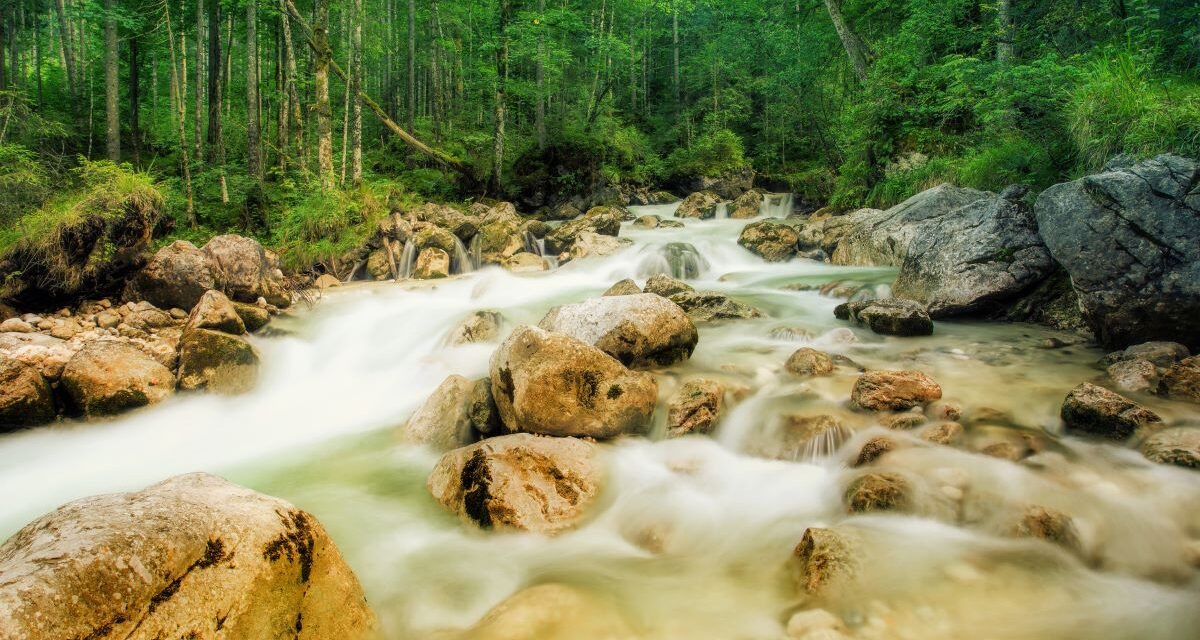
[(503, 16), (253, 134), (1004, 42), (181, 117), (112, 109), (856, 49), (197, 97), (321, 88), (296, 121), (540, 72), (356, 81), (67, 50), (412, 65)]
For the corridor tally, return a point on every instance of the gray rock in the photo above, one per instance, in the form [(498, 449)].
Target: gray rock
[(699, 205), (1127, 236), (1138, 376), (893, 317), (666, 286), (642, 330), (709, 306), (1160, 354), (601, 220), (443, 421), (1101, 412), (176, 276), (1179, 446), (625, 287)]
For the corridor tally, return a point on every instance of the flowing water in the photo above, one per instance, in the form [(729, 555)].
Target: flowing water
[(340, 379)]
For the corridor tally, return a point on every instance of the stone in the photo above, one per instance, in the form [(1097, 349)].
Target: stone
[(1137, 376), (253, 316), (442, 422), (480, 326), (215, 311), (326, 281), (728, 184), (809, 362), (498, 241), (1127, 236), (699, 205), (642, 330), (1159, 353), (815, 623), (520, 482), (1182, 380), (105, 378), (432, 263), (666, 286), (26, 399), (1049, 525), (455, 221), (177, 276), (427, 236), (825, 560), (481, 408), (601, 220), (747, 205), (1095, 410), (378, 265), (554, 384), (525, 262), (902, 421), (217, 362), (695, 407), (647, 222), (878, 492), (893, 317), (552, 612), (894, 390), (808, 437), (16, 325), (191, 557), (708, 306), (1179, 446), (594, 245), (872, 450), (771, 240), (945, 433), (625, 287), (245, 271)]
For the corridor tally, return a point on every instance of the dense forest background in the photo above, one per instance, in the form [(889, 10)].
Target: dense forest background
[(244, 114)]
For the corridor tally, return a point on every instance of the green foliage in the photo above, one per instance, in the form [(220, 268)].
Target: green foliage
[(24, 182), (323, 226), (714, 153)]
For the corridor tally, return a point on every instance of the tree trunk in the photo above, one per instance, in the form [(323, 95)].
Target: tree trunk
[(253, 133), (855, 48), (135, 81), (181, 111), (540, 115), (1004, 42), (501, 97), (412, 65), (112, 109), (37, 51), (290, 73), (321, 85), (214, 77), (197, 98), (67, 51), (356, 81), (675, 48)]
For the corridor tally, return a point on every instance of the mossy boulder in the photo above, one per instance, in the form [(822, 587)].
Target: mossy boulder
[(601, 220), (108, 377), (217, 362)]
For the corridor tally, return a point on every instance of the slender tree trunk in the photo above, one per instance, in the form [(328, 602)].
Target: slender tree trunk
[(197, 98), (37, 51), (855, 48), (214, 77), (67, 51), (356, 80), (135, 81), (412, 65), (540, 72), (501, 97), (349, 86), (112, 109), (3, 37), (1004, 43), (290, 77), (321, 84), (181, 111), (253, 134)]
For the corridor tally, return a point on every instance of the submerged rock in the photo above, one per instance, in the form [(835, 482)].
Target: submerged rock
[(552, 612), (647, 222), (1138, 376), (26, 399), (525, 262), (554, 384), (945, 433), (217, 362), (892, 317), (1049, 525), (806, 437), (709, 306), (695, 408), (816, 624), (520, 481), (594, 245), (1179, 446), (1160, 354), (1127, 238), (600, 220), (809, 362), (107, 377), (894, 390), (642, 330), (878, 492), (193, 556), (443, 421), (825, 560), (666, 286), (1182, 380), (1101, 412), (480, 326), (699, 205), (771, 240)]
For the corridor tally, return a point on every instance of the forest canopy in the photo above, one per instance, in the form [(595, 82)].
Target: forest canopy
[(301, 121)]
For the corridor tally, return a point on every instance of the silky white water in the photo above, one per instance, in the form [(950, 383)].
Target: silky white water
[(322, 427)]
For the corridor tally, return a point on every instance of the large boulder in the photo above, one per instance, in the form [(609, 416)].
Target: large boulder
[(446, 217), (699, 205), (216, 361), (108, 377), (443, 422), (728, 185), (894, 390), (747, 205), (771, 240), (480, 326), (191, 557), (176, 277), (1098, 411), (602, 220), (215, 311), (594, 245), (1182, 380), (25, 396), (974, 258), (641, 330), (432, 263), (246, 271), (521, 481), (498, 240), (891, 317), (555, 384), (1179, 446), (1127, 237)]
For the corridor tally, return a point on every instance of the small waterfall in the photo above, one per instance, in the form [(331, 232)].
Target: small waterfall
[(722, 211), (677, 259), (534, 244), (462, 261), (408, 258), (777, 205), (476, 250)]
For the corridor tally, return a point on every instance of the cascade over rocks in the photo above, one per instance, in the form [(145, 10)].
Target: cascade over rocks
[(26, 399), (521, 481), (701, 205), (1127, 237), (640, 330), (107, 377), (194, 556), (601, 220), (1101, 412), (554, 384), (771, 240)]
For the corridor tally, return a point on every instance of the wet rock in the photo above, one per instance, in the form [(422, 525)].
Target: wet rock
[(552, 612), (1160, 354), (1182, 380), (1098, 411), (480, 326), (326, 281), (902, 421), (481, 408), (791, 334), (443, 421), (379, 266), (432, 263), (945, 433), (499, 241), (1179, 446), (16, 325), (216, 361), (892, 317), (878, 492), (894, 390), (1127, 237), (873, 449), (824, 560), (1049, 525), (809, 362), (521, 481), (1004, 451), (625, 287), (816, 624), (455, 221), (708, 306), (525, 262), (695, 408), (191, 556), (245, 271), (670, 224), (642, 330), (1138, 376), (666, 286), (25, 396), (807, 437), (699, 205), (428, 236), (177, 276), (215, 311), (254, 317), (771, 240), (594, 245), (600, 220), (747, 205), (974, 258), (105, 378), (647, 222), (554, 384)]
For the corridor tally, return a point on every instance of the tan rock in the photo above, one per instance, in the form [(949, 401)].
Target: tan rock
[(1048, 524), (1179, 446), (216, 361), (215, 311), (442, 422), (16, 325), (625, 287), (702, 204), (1137, 375), (552, 612), (942, 433), (747, 205), (874, 449), (1098, 411), (643, 330), (25, 396), (105, 378), (894, 390), (326, 281), (432, 263), (809, 362), (878, 492), (1182, 380), (480, 326), (254, 316), (695, 408), (825, 559), (525, 262)]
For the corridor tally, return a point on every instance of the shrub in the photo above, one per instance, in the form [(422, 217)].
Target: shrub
[(714, 153)]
